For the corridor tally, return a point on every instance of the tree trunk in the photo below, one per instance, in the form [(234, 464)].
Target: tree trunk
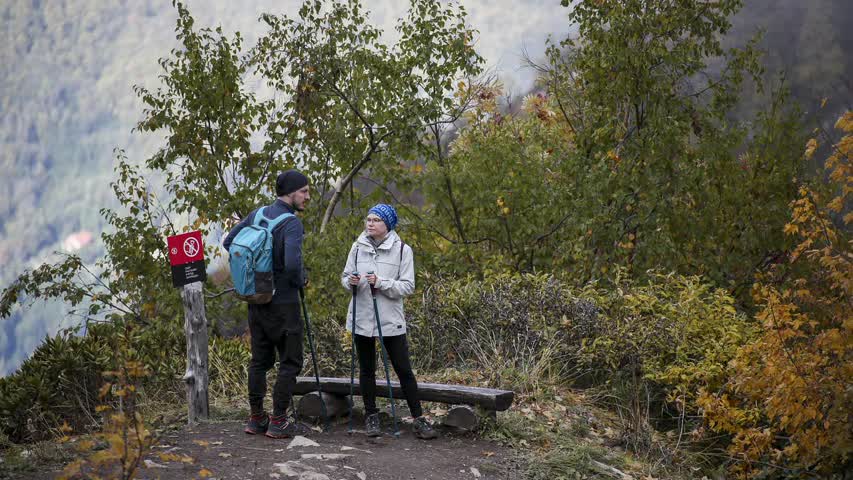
[(339, 189), (196, 376)]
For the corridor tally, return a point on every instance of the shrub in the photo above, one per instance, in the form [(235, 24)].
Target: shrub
[(677, 332), (229, 363), (657, 343), (787, 404), (59, 384), (511, 327)]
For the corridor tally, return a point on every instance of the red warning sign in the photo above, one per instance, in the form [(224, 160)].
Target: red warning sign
[(185, 248), (186, 254)]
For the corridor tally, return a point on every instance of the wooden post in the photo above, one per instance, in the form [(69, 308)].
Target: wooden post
[(196, 376)]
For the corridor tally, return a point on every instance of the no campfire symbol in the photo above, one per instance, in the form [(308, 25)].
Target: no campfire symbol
[(186, 254)]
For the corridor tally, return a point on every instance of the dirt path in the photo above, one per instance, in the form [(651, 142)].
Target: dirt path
[(221, 450), (228, 453)]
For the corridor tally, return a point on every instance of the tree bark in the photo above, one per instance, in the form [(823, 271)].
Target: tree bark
[(339, 189), (196, 376)]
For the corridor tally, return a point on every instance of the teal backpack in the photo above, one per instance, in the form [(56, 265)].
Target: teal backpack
[(251, 259)]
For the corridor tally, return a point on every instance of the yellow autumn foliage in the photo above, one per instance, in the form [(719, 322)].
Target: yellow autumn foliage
[(787, 404), (124, 433)]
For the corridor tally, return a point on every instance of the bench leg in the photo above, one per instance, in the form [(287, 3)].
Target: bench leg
[(461, 417), (336, 405)]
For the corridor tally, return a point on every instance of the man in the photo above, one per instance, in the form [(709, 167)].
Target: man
[(277, 326)]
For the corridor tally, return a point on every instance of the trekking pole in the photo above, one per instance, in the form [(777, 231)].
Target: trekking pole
[(352, 355), (314, 360), (384, 358)]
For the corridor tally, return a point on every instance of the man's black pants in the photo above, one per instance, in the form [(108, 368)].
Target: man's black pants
[(398, 352), (274, 327)]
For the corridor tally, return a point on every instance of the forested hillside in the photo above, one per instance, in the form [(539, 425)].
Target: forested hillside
[(67, 102), (658, 232)]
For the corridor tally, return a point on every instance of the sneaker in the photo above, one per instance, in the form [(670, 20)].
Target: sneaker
[(422, 429), (283, 427), (371, 425), (257, 424)]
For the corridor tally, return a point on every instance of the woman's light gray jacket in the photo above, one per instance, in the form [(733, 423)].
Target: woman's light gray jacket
[(394, 265)]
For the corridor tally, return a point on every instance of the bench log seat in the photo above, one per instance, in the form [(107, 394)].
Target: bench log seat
[(488, 398)]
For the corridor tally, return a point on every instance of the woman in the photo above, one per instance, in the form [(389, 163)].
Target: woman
[(379, 259)]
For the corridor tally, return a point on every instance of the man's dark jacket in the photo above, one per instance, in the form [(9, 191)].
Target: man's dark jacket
[(286, 251)]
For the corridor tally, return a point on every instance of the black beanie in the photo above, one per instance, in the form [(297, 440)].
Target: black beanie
[(289, 182)]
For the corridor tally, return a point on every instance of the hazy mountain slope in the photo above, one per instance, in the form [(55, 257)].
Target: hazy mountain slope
[(66, 100)]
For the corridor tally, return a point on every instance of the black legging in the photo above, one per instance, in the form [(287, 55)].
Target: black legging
[(398, 352)]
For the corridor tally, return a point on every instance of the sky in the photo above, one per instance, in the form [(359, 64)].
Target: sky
[(507, 28)]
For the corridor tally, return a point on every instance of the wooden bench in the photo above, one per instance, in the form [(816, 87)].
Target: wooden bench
[(461, 398)]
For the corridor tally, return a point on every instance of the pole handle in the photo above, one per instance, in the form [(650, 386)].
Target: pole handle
[(354, 288), (372, 287)]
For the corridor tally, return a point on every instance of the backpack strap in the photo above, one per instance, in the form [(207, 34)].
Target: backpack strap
[(259, 217), (279, 219), (272, 223), (400, 265)]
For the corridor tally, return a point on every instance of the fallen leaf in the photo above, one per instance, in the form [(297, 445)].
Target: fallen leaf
[(489, 454), (204, 473), (153, 464), (345, 449), (295, 469), (170, 457), (225, 455), (201, 443), (325, 456), (300, 441)]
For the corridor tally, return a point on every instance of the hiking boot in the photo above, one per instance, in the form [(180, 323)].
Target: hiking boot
[(257, 424), (422, 429), (283, 427), (371, 425)]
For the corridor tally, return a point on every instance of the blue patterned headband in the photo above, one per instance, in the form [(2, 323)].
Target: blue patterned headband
[(386, 213)]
